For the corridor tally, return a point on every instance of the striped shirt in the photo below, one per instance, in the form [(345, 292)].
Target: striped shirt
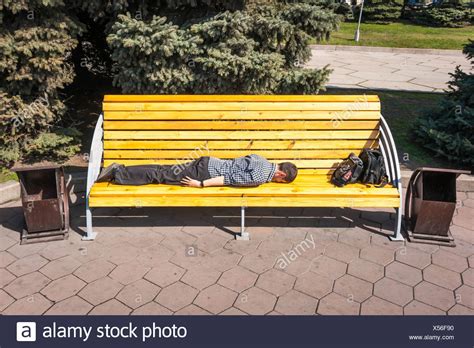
[(251, 170)]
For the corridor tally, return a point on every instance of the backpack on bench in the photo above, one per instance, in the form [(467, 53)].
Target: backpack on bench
[(348, 171), (368, 169), (374, 168)]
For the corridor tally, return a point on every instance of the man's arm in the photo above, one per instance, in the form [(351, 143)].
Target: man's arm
[(217, 181)]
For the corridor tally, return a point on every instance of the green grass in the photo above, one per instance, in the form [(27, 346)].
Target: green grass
[(401, 109), (401, 34), (6, 175)]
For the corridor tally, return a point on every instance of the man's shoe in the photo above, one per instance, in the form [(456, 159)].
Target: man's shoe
[(108, 173)]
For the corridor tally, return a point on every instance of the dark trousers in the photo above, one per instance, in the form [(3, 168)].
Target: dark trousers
[(162, 174)]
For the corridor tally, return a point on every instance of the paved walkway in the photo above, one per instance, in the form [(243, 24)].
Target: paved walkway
[(387, 70), (186, 261)]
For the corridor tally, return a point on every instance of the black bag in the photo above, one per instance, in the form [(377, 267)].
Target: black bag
[(374, 168), (348, 171)]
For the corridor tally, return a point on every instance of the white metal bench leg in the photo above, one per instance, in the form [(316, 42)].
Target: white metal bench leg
[(397, 236), (243, 234), (90, 233)]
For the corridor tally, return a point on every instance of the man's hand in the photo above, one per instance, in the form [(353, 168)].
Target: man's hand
[(187, 181)]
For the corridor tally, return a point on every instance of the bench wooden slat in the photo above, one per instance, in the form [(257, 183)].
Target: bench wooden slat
[(270, 189), (320, 163), (289, 201), (225, 154), (236, 97), (275, 135), (243, 115), (239, 106), (248, 145), (238, 125)]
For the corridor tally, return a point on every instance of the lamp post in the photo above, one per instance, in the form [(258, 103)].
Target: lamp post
[(357, 33)]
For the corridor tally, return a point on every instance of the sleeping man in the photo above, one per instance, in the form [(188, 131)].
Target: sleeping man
[(250, 170)]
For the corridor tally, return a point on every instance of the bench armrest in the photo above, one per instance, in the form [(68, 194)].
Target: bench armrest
[(95, 155)]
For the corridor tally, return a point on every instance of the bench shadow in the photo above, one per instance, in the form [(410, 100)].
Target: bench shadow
[(228, 219)]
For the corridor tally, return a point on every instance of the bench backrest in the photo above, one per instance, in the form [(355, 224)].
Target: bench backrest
[(314, 132)]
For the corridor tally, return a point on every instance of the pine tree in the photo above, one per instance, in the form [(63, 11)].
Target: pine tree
[(449, 129), (36, 41), (257, 50)]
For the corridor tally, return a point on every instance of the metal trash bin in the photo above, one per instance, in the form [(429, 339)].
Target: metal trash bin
[(45, 203), (430, 204)]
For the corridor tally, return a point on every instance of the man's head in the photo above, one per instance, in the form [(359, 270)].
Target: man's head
[(285, 172)]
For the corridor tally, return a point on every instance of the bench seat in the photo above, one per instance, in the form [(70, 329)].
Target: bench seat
[(314, 132), (305, 191)]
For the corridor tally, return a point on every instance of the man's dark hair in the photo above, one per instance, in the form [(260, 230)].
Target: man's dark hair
[(289, 169)]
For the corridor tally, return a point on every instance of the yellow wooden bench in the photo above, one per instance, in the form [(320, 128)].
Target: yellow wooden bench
[(314, 132)]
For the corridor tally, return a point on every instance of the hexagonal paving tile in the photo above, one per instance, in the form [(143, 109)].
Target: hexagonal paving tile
[(192, 310), (393, 291), (27, 264), (210, 242), (94, 270), (366, 270), (377, 254), (242, 248), (165, 274), (460, 310), (314, 285), (468, 277), (152, 308), (215, 298), (111, 307), (122, 253), (258, 261), (323, 236), (129, 272), (442, 277), (255, 301), (420, 308), (222, 260), (233, 311), (353, 288), (465, 296), (355, 237), (70, 306), (296, 303), (6, 258), (6, 242), (60, 267), (275, 282), (5, 277), (176, 296), (34, 304), (450, 261), (434, 295), (100, 290), (377, 306), (201, 278), (385, 242), (470, 259), (238, 279), (276, 245), (63, 288), (154, 255), (296, 267), (138, 293), (403, 273), (413, 257), (342, 252), (5, 300), (328, 267), (335, 304), (27, 285)]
